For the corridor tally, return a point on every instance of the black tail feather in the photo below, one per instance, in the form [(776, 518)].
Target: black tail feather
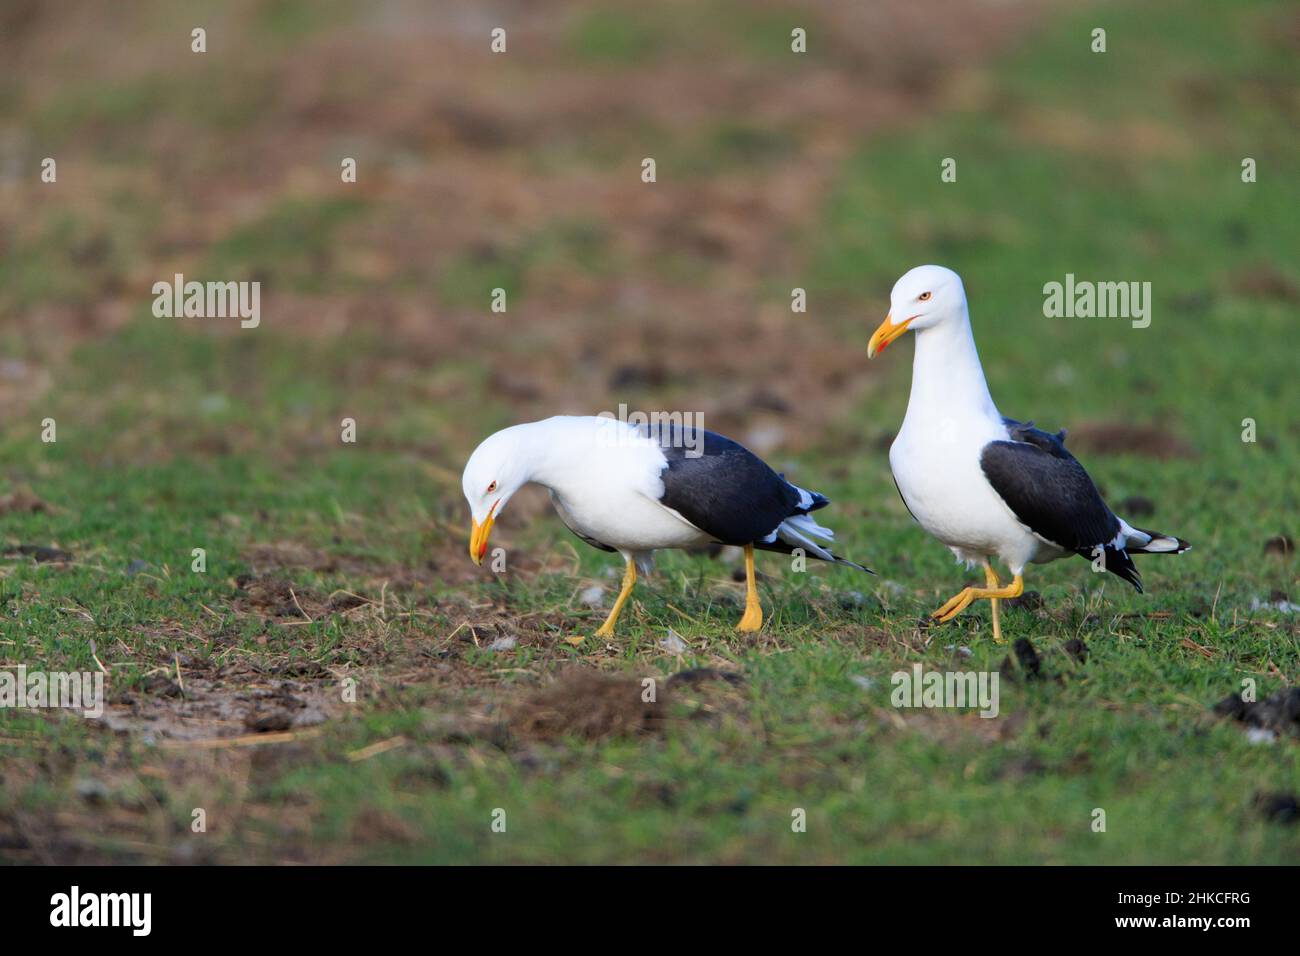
[(1117, 562)]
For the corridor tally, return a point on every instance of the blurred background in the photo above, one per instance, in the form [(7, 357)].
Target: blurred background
[(475, 171), (521, 171)]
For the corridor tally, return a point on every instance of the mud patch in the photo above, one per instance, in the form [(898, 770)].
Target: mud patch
[(22, 500), (1265, 282), (1027, 601), (1027, 663), (446, 562), (701, 675), (39, 553), (590, 706), (1125, 438), (276, 597), (1281, 545), (1278, 807), (1137, 506), (210, 710)]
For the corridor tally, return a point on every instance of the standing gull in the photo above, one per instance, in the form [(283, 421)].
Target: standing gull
[(638, 488), (985, 485)]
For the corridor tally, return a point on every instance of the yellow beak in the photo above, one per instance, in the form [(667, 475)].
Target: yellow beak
[(887, 332), (478, 536)]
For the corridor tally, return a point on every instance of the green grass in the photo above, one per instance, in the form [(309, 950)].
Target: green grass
[(172, 438), (566, 246), (611, 36), (622, 37), (292, 244)]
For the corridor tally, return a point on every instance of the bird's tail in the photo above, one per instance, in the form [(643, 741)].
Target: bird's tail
[(1117, 554), (799, 531), (1141, 541), (808, 500)]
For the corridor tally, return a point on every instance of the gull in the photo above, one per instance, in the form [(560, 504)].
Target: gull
[(985, 485), (637, 488)]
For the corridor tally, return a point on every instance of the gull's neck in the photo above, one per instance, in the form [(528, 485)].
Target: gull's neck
[(554, 447), (540, 449), (947, 378)]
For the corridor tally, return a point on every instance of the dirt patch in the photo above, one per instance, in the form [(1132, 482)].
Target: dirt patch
[(265, 558), (1077, 649), (591, 706), (1027, 601), (39, 553), (1126, 438), (445, 561), (1279, 807), (207, 710), (1136, 506), (278, 599), (1265, 282), (701, 675), (1026, 664), (1281, 545), (372, 825), (22, 500)]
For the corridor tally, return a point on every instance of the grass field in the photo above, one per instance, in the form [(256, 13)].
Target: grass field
[(331, 563)]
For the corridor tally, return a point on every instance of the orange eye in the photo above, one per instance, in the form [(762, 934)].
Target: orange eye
[(492, 487), (924, 296)]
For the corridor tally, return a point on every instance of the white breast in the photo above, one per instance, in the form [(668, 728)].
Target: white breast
[(936, 458), (937, 467)]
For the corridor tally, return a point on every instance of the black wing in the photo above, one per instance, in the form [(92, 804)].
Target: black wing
[(1053, 442), (723, 488), (1048, 490)]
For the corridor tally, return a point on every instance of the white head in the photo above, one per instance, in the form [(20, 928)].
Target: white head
[(498, 468), (923, 298)]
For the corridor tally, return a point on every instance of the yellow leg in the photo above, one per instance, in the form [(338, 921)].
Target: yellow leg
[(629, 579), (753, 617), (991, 579), (962, 599)]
